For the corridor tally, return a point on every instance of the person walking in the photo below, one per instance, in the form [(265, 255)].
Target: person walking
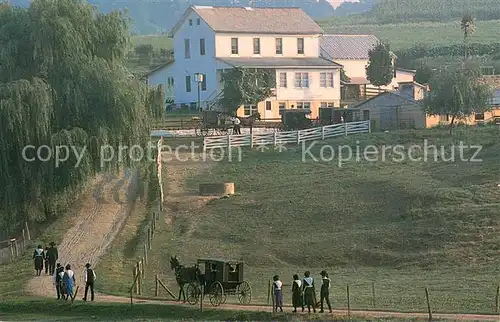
[(297, 294), (57, 279), (325, 291), (69, 281), (53, 256), (90, 278), (308, 289), (46, 260), (38, 258), (278, 293)]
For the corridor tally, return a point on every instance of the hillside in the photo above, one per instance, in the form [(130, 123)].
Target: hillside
[(402, 225)]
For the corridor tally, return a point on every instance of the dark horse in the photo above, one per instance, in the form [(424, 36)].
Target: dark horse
[(247, 122), (184, 275)]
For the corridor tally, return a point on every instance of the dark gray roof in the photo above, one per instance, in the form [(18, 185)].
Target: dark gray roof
[(287, 21), (347, 46), (283, 62)]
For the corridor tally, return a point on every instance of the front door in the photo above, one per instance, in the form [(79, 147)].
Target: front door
[(269, 110)]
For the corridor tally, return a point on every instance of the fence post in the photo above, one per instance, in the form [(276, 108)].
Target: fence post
[(268, 292), (275, 138), (497, 298), (27, 230), (345, 128), (149, 239), (369, 126), (373, 295), (156, 285), (135, 281), (145, 254), (24, 235), (272, 295), (322, 133), (428, 304), (348, 302), (251, 140), (228, 140), (15, 247), (298, 137)]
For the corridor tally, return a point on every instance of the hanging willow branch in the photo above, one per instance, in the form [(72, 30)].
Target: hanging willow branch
[(63, 82)]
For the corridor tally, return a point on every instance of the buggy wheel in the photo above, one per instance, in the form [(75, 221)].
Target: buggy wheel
[(193, 293), (216, 294), (244, 291)]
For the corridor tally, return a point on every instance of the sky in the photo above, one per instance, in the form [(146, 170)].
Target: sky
[(336, 3)]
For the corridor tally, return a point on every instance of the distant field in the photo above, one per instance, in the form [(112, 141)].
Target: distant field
[(406, 35), (158, 41)]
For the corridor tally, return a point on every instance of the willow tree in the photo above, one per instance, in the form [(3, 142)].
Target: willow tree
[(63, 83)]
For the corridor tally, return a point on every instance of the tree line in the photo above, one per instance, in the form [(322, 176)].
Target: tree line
[(63, 82)]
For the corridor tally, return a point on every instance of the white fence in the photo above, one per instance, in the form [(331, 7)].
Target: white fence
[(291, 137)]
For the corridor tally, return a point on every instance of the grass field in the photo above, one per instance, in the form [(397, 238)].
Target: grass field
[(406, 35), (403, 226), (158, 41)]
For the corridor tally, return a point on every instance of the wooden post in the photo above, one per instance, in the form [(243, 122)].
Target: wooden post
[(27, 230), (497, 298), (251, 140), (16, 248), (11, 246), (156, 285), (269, 292), (348, 302), (24, 236), (228, 141), (322, 133), (149, 239), (143, 268), (345, 128), (428, 304), (272, 295), (135, 282), (202, 296), (373, 295), (275, 139), (369, 126), (139, 281), (298, 137), (145, 254)]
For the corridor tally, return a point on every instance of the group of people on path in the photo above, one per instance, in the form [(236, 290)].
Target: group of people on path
[(63, 277), (45, 257), (303, 292)]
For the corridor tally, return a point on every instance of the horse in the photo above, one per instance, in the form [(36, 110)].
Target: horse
[(184, 275), (248, 121)]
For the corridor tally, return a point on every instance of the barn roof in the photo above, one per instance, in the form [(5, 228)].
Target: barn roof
[(347, 46)]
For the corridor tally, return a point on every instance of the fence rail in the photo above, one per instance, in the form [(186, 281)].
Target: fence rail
[(12, 248), (290, 137)]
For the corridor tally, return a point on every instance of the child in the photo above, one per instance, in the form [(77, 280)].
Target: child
[(278, 293)]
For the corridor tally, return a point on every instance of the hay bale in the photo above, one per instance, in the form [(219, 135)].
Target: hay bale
[(217, 189)]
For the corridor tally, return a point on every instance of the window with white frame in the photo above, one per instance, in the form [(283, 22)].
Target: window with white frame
[(198, 21), (327, 105), (302, 80), (326, 79), (304, 105), (188, 84), (187, 48), (202, 47), (256, 46), (300, 46), (249, 110), (190, 22), (234, 46), (283, 80), (279, 46), (204, 83)]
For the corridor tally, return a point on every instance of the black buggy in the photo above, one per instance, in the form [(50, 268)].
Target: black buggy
[(219, 279)]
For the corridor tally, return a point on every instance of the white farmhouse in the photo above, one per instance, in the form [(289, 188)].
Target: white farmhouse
[(208, 40)]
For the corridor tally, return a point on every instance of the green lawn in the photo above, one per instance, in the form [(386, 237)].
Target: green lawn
[(403, 226), (27, 309), (406, 35)]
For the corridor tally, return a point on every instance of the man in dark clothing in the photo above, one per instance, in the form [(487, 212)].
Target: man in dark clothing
[(325, 291), (58, 280), (53, 256), (89, 276)]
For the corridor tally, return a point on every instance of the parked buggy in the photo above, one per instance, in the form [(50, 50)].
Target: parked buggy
[(214, 123), (219, 278)]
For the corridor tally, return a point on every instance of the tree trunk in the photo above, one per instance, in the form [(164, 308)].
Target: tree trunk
[(451, 124)]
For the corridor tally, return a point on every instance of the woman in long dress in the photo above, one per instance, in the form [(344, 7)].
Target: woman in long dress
[(69, 281), (38, 256), (297, 293), (308, 287)]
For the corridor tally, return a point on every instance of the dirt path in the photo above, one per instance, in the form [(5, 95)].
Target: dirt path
[(105, 208), (97, 223)]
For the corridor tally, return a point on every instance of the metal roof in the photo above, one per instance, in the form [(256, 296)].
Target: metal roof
[(282, 62), (347, 46)]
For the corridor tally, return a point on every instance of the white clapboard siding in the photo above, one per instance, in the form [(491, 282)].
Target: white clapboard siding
[(290, 137)]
